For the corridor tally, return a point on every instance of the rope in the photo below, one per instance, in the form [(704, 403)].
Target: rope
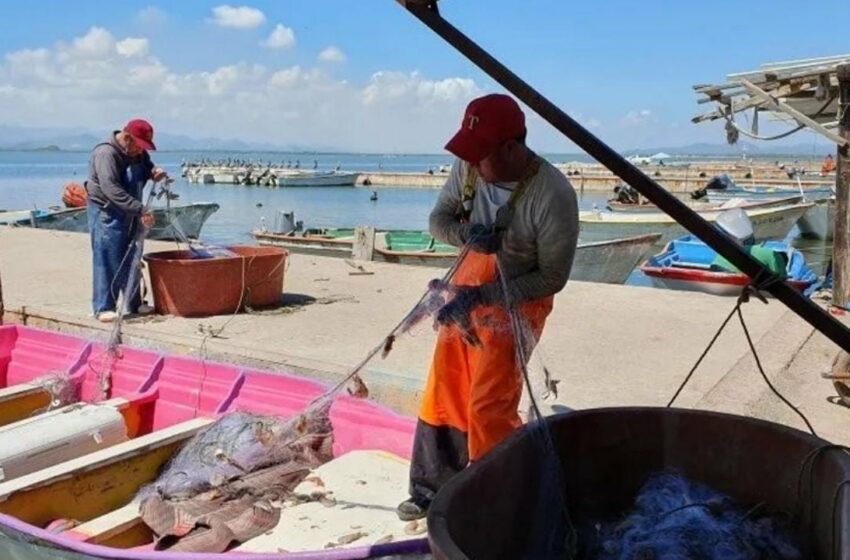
[(762, 281), (730, 120)]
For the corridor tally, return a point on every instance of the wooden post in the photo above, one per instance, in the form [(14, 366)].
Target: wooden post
[(841, 239), (364, 243)]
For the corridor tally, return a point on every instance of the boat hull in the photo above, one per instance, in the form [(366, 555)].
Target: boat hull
[(178, 397), (768, 223), (189, 218), (610, 261), (708, 282), (759, 193), (819, 222)]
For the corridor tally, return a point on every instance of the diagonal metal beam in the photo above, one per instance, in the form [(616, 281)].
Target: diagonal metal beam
[(425, 11)]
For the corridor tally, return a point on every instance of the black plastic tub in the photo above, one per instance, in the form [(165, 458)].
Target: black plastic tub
[(491, 510)]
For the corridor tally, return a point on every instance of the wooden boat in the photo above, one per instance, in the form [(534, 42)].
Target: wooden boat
[(84, 507), (190, 218), (609, 261), (700, 207), (686, 264), (768, 223)]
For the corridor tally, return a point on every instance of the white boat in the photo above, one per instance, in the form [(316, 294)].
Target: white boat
[(287, 178), (768, 223), (819, 221), (701, 207)]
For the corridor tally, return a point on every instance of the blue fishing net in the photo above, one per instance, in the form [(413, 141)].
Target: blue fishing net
[(676, 519)]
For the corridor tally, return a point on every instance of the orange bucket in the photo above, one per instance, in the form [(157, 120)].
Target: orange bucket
[(187, 286)]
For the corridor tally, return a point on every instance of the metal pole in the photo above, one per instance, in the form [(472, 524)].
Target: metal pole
[(841, 238), (665, 201)]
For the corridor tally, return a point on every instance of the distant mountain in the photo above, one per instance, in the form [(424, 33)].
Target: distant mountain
[(69, 139), (754, 149), (27, 138)]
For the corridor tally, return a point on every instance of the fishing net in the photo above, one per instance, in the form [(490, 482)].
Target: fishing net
[(61, 387), (239, 443), (674, 518)]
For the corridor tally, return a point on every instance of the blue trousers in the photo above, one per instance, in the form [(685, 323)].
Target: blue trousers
[(112, 236)]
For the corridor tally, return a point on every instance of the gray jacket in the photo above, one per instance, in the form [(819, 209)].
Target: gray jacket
[(540, 243), (107, 168)]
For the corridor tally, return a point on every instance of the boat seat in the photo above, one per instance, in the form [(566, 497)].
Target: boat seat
[(105, 527), (66, 433)]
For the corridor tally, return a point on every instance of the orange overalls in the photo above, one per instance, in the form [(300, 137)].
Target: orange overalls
[(472, 394)]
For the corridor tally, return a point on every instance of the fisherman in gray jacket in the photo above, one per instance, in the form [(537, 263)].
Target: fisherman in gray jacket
[(118, 170), (516, 215)]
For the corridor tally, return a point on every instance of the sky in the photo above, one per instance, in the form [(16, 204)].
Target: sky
[(366, 76)]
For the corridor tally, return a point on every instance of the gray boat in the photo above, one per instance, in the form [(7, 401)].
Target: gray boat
[(190, 218), (609, 261)]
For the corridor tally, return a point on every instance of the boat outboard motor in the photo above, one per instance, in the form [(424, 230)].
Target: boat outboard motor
[(717, 183), (737, 224), (626, 194)]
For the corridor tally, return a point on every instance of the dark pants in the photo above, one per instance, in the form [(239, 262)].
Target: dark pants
[(112, 236), (439, 453)]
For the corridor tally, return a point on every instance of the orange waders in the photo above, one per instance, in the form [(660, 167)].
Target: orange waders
[(473, 393)]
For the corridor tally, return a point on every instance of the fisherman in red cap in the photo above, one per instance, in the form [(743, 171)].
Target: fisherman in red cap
[(118, 171), (518, 216)]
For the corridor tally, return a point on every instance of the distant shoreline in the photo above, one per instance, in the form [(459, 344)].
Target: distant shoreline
[(758, 156)]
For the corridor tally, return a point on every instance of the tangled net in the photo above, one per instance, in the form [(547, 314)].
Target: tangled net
[(675, 519), (63, 390)]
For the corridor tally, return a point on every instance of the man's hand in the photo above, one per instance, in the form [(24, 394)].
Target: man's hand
[(158, 174), (483, 239), (457, 311), (147, 219)]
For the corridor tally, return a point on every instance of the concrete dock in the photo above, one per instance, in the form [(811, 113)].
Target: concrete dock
[(608, 345)]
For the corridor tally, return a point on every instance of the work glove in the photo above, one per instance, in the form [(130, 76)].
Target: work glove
[(483, 239), (457, 312)]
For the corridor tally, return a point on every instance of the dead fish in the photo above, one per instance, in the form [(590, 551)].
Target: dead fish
[(348, 539), (384, 540), (360, 391), (414, 528), (315, 480)]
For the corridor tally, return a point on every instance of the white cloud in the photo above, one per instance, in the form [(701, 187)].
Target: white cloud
[(151, 16), (98, 80), (285, 78), (332, 54), (238, 17), (637, 117), (281, 38), (96, 43), (132, 46), (387, 86)]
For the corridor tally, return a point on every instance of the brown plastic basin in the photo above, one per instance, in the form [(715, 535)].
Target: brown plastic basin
[(195, 287), (492, 510)]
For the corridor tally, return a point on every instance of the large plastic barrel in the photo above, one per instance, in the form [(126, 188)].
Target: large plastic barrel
[(493, 509), (188, 286)]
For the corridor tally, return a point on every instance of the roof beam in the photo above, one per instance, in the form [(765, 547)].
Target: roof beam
[(797, 115)]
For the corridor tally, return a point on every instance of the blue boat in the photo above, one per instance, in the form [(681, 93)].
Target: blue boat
[(687, 263)]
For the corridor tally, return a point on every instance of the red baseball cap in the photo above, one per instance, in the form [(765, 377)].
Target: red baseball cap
[(142, 132), (487, 122)]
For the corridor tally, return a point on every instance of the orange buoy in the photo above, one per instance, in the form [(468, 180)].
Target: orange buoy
[(74, 195)]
